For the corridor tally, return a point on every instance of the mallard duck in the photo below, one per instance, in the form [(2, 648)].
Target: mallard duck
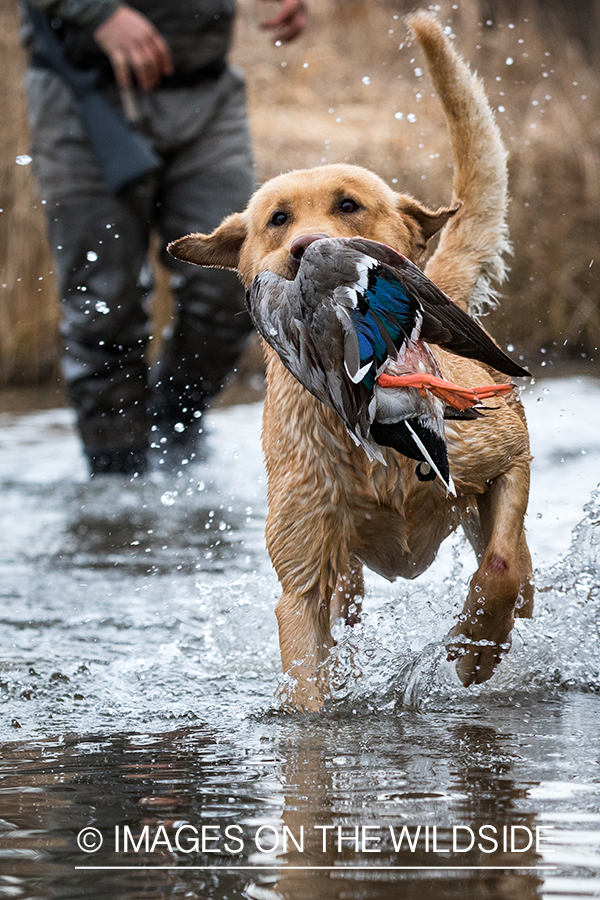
[(354, 326)]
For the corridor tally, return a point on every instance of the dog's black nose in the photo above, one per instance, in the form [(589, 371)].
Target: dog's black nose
[(300, 244)]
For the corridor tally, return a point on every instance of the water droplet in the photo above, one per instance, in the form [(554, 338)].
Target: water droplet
[(366, 80), (101, 307), (91, 256), (179, 427), (398, 115), (411, 117), (23, 159), (509, 60)]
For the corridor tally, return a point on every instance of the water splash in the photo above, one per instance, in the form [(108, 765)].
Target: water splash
[(396, 658), (144, 603)]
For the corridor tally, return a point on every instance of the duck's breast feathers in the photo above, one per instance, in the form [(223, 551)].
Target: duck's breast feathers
[(272, 312), (284, 318)]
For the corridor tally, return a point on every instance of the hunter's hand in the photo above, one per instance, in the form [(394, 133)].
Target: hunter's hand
[(134, 47), (289, 22)]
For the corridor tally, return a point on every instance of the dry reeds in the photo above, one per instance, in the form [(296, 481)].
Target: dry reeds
[(352, 89), (28, 308)]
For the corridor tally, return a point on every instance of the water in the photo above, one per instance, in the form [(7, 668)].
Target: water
[(139, 666)]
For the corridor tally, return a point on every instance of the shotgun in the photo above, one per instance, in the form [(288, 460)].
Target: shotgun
[(121, 153)]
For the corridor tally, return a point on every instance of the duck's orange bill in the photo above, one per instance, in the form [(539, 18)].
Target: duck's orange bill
[(453, 394)]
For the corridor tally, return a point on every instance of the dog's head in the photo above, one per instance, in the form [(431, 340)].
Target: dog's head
[(290, 211)]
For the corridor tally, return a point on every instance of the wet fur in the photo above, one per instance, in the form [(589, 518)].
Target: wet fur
[(330, 509)]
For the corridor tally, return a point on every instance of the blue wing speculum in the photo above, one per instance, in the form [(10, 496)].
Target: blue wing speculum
[(385, 318)]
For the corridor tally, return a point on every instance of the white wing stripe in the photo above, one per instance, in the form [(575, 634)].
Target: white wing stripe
[(358, 376)]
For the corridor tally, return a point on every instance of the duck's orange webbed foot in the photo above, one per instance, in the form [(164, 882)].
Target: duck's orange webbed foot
[(453, 394)]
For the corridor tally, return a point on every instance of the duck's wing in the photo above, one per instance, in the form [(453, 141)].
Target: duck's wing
[(444, 323)]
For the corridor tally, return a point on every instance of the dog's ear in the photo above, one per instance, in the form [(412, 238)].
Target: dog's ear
[(428, 220), (221, 248)]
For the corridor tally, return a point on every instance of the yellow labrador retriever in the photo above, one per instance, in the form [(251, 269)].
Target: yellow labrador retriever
[(331, 509)]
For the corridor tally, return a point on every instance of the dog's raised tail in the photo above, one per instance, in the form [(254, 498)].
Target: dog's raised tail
[(468, 260)]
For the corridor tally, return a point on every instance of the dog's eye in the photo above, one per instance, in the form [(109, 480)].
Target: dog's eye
[(348, 205), (278, 218)]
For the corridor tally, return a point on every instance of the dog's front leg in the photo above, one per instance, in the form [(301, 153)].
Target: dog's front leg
[(502, 587), (308, 552), (305, 641)]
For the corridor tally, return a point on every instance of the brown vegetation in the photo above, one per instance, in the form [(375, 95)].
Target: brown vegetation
[(336, 99), (318, 107), (28, 308)]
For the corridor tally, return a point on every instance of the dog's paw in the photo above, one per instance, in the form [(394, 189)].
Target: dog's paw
[(478, 642), (475, 660), (303, 690)]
